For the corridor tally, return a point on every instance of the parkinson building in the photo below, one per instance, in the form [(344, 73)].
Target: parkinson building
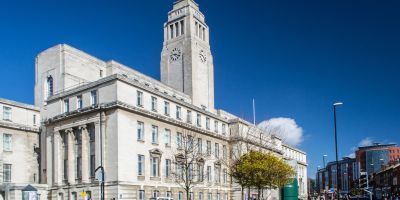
[(102, 113)]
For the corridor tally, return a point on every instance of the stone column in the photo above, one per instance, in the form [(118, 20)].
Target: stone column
[(71, 156), (85, 154), (56, 153)]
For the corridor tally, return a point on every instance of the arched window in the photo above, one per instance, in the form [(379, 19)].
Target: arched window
[(49, 86)]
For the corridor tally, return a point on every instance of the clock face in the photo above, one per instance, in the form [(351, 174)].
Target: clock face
[(175, 54), (203, 56)]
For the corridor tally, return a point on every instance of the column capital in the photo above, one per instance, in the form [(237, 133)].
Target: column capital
[(69, 130), (82, 127)]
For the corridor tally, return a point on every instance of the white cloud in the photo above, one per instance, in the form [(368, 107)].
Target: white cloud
[(285, 128), (352, 155), (365, 142)]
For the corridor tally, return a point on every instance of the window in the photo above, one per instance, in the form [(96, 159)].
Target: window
[(7, 142), (154, 134), (60, 196), (190, 170), (154, 166), (156, 194), (225, 176), (167, 137), (224, 151), (166, 108), (190, 142), (179, 140), (216, 126), (34, 119), (197, 28), (50, 88), (180, 195), (208, 148), (217, 171), (74, 196), (200, 175), (204, 33), (141, 194), (171, 29), (92, 140), (65, 151), (139, 100), (178, 112), (7, 111), (140, 131), (167, 168), (189, 116), (101, 73), (140, 165), (78, 150), (176, 29), (182, 27), (200, 31), (199, 145), (200, 195), (93, 97), (208, 173), (223, 129), (207, 123), (209, 196), (66, 105), (216, 150), (169, 194), (191, 195), (154, 104), (226, 196), (79, 103), (217, 196), (6, 173), (198, 120)]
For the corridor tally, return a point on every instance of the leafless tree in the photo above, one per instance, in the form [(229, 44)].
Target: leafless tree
[(188, 162)]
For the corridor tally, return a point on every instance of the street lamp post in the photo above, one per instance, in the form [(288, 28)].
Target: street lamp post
[(336, 146)]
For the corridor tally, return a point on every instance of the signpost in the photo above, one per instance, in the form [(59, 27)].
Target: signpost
[(84, 195)]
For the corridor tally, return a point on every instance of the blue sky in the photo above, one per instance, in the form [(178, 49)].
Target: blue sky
[(294, 57)]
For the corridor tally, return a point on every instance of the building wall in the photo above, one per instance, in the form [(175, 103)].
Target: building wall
[(22, 143)]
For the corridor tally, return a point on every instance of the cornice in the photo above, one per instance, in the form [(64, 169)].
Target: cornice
[(19, 127)]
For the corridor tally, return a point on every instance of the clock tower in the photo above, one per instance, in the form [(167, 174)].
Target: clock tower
[(186, 60)]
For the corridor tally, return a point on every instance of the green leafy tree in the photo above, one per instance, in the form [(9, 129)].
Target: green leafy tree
[(261, 170)]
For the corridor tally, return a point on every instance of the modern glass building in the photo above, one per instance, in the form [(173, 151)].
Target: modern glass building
[(374, 159)]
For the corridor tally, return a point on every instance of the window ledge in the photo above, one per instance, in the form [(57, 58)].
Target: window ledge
[(155, 178), (141, 177), (140, 140)]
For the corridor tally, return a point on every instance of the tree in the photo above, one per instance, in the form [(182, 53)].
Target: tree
[(261, 170), (188, 161)]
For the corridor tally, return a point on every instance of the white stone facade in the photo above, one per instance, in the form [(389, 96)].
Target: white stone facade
[(101, 113), (19, 145)]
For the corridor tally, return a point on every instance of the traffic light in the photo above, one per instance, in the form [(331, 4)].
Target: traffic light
[(363, 180)]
